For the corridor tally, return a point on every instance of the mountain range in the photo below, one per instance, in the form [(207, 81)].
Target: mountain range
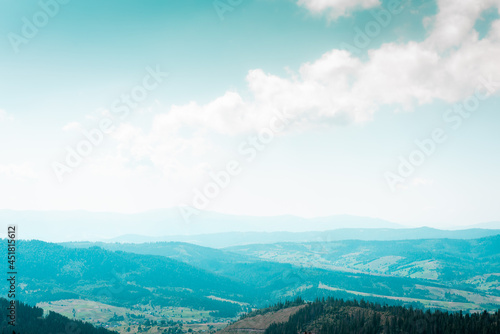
[(217, 230), (99, 226), (174, 284), (228, 239)]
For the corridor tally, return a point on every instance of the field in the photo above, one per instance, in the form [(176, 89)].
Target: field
[(140, 318)]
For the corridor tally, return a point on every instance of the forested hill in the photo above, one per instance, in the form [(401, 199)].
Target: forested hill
[(337, 316), (30, 320), (52, 272)]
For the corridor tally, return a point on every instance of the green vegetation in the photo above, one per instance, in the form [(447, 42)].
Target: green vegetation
[(52, 272), (32, 320), (460, 271), (337, 316), (424, 272), (121, 318), (444, 260), (174, 284)]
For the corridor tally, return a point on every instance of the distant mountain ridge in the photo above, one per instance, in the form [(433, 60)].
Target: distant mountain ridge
[(229, 239), (487, 225), (53, 226), (168, 225)]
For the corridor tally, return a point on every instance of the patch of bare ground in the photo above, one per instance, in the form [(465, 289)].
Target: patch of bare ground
[(261, 322)]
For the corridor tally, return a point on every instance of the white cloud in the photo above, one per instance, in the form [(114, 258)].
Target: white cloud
[(446, 66), (337, 87), (72, 126), (4, 116), (455, 21), (419, 181), (19, 171), (337, 8), (165, 149)]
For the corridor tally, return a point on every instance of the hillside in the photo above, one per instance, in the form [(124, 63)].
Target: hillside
[(473, 263), (172, 285), (199, 256), (337, 316), (260, 322), (426, 273), (52, 272), (32, 320)]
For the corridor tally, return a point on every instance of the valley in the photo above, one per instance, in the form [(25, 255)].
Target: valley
[(177, 287)]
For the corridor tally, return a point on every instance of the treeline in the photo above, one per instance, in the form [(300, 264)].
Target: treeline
[(316, 293), (30, 320), (336, 316), (224, 309)]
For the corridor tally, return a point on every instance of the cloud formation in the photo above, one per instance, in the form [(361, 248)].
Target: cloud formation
[(5, 116), (337, 8), (338, 87), (19, 171)]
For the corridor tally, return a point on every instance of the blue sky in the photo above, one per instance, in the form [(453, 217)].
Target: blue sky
[(353, 114)]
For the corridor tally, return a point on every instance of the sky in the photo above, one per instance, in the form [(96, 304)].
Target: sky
[(384, 109)]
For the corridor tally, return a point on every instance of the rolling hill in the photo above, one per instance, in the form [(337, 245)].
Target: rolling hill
[(337, 316), (424, 272), (50, 272), (197, 285), (461, 263)]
